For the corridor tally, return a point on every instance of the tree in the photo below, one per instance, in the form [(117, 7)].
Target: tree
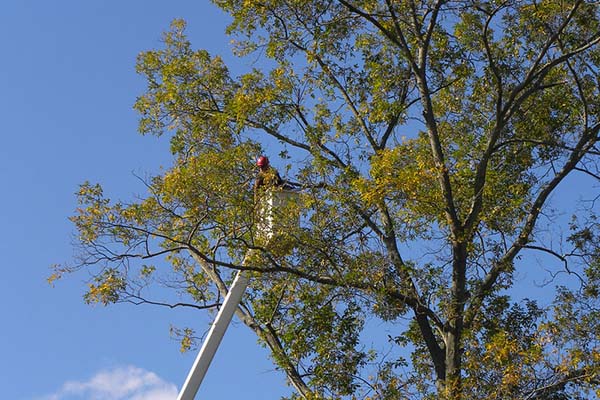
[(427, 138)]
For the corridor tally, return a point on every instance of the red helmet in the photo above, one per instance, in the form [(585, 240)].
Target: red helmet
[(262, 161)]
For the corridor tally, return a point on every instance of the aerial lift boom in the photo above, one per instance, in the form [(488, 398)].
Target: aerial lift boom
[(213, 339)]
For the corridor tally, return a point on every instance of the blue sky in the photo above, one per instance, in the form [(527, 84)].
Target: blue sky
[(67, 86)]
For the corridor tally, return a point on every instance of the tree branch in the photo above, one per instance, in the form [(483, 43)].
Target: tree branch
[(586, 142), (137, 300), (574, 376)]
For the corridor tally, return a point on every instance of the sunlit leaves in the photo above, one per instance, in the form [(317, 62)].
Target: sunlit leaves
[(185, 88), (106, 288)]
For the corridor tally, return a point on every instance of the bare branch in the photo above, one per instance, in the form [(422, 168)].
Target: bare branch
[(137, 300)]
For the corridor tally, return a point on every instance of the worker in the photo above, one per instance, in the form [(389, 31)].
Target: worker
[(267, 176)]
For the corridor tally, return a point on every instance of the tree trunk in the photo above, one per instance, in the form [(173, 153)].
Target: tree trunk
[(454, 330)]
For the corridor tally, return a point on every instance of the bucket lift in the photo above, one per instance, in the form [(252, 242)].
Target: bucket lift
[(277, 213)]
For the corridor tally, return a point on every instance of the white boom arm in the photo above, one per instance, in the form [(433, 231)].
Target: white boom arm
[(213, 339)]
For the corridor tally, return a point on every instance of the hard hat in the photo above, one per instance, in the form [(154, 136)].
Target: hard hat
[(262, 161)]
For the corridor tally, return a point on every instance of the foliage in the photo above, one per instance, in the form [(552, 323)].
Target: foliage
[(427, 139)]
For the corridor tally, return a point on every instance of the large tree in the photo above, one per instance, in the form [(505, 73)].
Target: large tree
[(427, 139)]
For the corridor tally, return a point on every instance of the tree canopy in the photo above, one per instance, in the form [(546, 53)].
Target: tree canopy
[(427, 139)]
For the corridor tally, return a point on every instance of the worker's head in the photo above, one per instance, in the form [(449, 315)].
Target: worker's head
[(262, 162)]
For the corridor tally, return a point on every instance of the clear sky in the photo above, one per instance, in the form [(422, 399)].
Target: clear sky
[(67, 86)]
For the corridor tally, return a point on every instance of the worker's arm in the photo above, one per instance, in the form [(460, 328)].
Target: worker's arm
[(258, 182), (279, 181)]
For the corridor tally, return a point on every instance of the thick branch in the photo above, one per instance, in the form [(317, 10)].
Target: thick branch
[(410, 301)]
